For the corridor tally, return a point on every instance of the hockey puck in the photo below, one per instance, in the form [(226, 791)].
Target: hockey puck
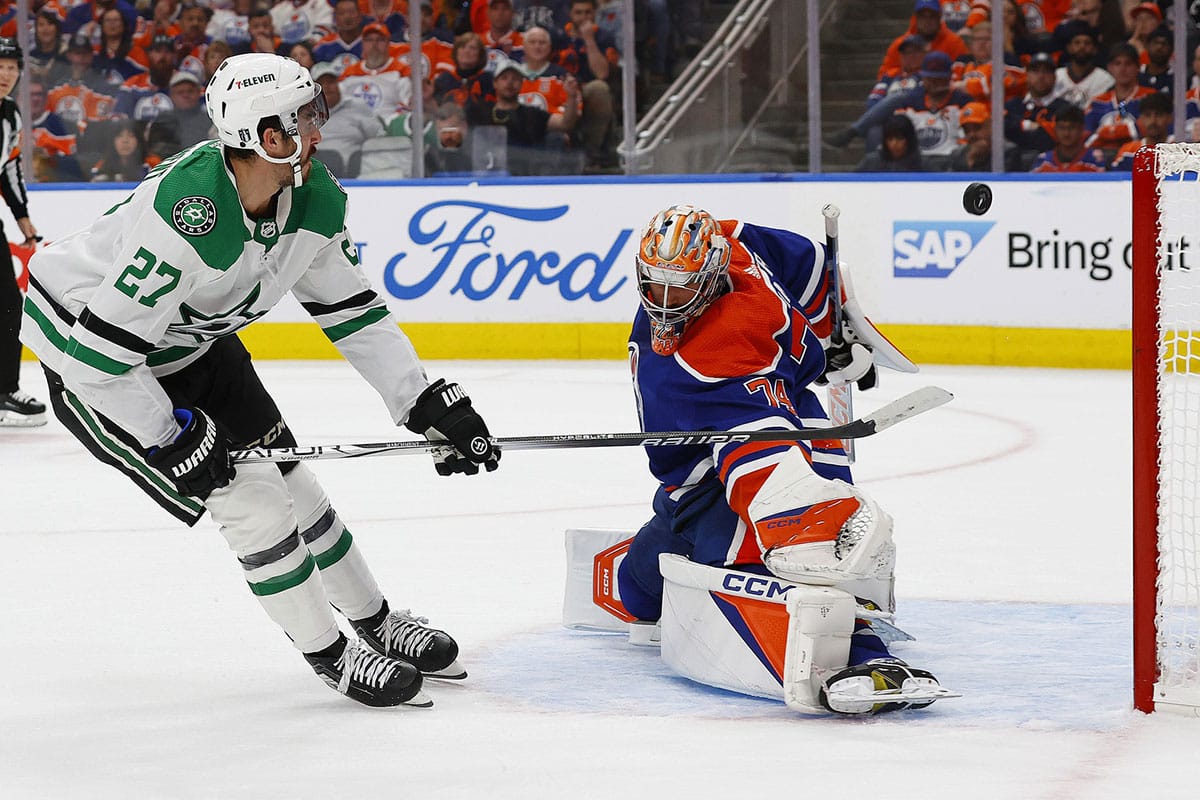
[(977, 199)]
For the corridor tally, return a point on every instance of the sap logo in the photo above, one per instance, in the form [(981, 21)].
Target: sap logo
[(755, 585), (933, 249)]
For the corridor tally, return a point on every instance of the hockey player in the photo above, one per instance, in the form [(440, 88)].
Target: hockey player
[(734, 326), (17, 409), (134, 320)]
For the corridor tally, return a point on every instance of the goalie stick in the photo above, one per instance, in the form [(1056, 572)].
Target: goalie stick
[(840, 396), (886, 416)]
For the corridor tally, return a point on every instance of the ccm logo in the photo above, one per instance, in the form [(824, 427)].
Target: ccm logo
[(755, 586)]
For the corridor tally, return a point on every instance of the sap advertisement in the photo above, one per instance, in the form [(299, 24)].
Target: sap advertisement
[(1047, 254)]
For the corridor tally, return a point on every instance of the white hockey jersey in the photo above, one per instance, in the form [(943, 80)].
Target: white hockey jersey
[(146, 288)]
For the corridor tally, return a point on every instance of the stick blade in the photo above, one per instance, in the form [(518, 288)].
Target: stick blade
[(918, 402)]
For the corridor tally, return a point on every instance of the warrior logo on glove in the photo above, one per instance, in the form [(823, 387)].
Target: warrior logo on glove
[(443, 413)]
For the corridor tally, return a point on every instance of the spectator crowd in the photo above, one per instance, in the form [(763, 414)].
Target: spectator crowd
[(1085, 84), (527, 87)]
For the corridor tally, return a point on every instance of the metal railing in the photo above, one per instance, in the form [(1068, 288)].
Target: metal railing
[(702, 122)]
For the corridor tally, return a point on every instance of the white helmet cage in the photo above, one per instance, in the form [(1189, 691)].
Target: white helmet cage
[(248, 88)]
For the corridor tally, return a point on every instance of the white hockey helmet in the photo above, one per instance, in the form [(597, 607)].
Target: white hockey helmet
[(249, 88)]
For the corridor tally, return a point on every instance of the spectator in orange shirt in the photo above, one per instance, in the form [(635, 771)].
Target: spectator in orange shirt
[(545, 82), (380, 80), (972, 72), (468, 79), (53, 140), (501, 38), (81, 95), (927, 23)]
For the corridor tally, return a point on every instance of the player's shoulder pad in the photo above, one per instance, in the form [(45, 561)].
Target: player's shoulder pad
[(319, 205), (196, 199), (735, 336)]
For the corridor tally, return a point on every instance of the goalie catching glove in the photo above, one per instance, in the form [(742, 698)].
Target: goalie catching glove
[(443, 413), (197, 461)]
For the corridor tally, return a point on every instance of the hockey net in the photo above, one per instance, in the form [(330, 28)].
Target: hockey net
[(1166, 428)]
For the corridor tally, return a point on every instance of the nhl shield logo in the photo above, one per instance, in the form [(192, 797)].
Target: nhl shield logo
[(195, 216)]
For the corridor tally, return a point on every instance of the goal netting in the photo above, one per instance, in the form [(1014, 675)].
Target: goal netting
[(1166, 433)]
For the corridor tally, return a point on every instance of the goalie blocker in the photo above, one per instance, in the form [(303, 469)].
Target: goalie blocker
[(754, 634)]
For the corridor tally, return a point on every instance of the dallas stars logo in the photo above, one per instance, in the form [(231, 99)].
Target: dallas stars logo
[(195, 216), (204, 327)]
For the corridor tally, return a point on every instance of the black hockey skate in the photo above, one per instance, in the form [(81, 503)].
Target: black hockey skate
[(363, 675), (881, 685), (400, 634), (19, 410)]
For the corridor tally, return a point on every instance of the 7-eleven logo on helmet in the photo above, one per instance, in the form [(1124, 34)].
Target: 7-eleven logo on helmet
[(254, 80)]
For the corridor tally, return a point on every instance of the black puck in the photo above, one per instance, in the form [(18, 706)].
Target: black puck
[(977, 199)]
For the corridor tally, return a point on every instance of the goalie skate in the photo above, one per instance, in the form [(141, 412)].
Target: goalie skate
[(400, 634), (881, 685), (371, 679)]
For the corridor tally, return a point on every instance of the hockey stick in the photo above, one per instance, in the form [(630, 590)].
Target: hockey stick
[(909, 405), (840, 396)]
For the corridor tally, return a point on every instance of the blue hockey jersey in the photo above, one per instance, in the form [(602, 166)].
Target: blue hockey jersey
[(745, 363)]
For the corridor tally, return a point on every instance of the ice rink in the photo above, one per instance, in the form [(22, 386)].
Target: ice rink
[(136, 664)]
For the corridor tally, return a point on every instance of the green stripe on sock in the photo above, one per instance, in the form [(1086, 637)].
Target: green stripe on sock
[(358, 323), (288, 580), (334, 554)]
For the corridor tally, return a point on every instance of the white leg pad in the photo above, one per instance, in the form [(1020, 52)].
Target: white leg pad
[(797, 517), (724, 628), (818, 643), (591, 600)]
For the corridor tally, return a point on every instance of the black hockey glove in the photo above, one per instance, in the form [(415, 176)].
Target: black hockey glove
[(198, 461), (443, 413), (847, 362)]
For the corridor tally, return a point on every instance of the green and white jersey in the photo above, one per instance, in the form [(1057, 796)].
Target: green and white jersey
[(148, 286)]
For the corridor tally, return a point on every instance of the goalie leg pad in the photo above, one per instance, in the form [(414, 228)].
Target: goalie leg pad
[(818, 531), (753, 634)]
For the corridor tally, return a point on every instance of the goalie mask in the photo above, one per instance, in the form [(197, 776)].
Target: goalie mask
[(249, 88), (682, 267)]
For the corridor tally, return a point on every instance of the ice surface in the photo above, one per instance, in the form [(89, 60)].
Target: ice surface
[(135, 663)]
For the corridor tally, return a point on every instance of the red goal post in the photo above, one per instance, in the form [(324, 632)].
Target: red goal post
[(1166, 428)]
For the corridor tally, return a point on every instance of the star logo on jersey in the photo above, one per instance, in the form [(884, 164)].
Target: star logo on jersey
[(205, 327), (194, 216)]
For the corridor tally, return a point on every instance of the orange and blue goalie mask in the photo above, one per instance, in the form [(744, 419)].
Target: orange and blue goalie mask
[(682, 267)]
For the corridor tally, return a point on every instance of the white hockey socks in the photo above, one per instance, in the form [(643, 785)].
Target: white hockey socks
[(255, 515), (348, 580)]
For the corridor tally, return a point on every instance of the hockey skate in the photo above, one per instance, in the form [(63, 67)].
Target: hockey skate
[(363, 675), (19, 410), (881, 685), (400, 634)]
